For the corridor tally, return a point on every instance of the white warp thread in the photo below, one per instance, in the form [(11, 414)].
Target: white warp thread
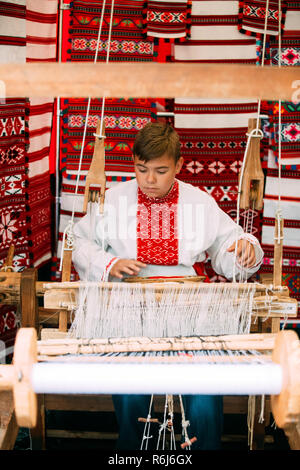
[(127, 310)]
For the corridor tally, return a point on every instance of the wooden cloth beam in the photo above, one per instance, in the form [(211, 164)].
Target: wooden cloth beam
[(150, 80)]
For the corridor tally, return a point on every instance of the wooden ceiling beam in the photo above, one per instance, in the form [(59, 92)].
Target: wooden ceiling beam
[(151, 80)]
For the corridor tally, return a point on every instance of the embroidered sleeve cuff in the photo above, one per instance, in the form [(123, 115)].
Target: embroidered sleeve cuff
[(108, 267)]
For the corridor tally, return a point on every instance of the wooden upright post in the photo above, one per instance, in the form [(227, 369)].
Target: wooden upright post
[(96, 174)]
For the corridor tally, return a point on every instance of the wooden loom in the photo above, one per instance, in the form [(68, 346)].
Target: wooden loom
[(24, 288), (24, 376), (61, 297)]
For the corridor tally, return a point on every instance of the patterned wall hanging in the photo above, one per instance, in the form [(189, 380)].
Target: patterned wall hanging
[(123, 119), (252, 15), (41, 30)]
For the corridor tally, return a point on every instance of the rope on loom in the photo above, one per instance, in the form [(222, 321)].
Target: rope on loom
[(278, 213), (185, 423), (167, 424), (163, 426)]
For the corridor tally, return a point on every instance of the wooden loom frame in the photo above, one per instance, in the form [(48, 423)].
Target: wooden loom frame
[(194, 80)]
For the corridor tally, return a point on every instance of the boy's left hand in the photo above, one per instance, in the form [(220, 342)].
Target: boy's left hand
[(245, 253)]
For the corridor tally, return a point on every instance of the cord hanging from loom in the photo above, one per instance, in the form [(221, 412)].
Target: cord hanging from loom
[(146, 433), (185, 424)]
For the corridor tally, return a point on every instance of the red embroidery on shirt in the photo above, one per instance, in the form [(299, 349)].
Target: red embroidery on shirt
[(157, 231)]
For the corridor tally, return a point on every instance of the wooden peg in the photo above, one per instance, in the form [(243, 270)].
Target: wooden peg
[(8, 263), (278, 252), (253, 177), (96, 174), (28, 298)]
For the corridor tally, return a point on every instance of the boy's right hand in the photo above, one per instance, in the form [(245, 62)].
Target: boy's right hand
[(128, 266)]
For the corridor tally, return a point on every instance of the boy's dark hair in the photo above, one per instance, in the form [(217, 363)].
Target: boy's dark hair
[(156, 139)]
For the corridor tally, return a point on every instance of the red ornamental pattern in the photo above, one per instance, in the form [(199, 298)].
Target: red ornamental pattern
[(290, 131), (85, 44), (157, 221), (289, 51), (290, 268), (14, 215), (10, 185)]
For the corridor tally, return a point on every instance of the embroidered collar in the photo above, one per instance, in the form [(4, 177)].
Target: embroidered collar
[(171, 196)]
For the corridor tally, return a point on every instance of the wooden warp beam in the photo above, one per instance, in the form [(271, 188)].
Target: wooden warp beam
[(151, 80), (66, 346)]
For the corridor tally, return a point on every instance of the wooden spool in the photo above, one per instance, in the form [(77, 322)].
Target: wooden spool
[(286, 406), (16, 377)]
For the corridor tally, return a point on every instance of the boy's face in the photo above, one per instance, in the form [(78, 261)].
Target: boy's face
[(156, 177)]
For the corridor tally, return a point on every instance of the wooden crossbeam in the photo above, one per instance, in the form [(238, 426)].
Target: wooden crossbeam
[(150, 80)]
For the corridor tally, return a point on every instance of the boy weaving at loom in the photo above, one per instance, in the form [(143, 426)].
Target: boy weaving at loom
[(156, 225)]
